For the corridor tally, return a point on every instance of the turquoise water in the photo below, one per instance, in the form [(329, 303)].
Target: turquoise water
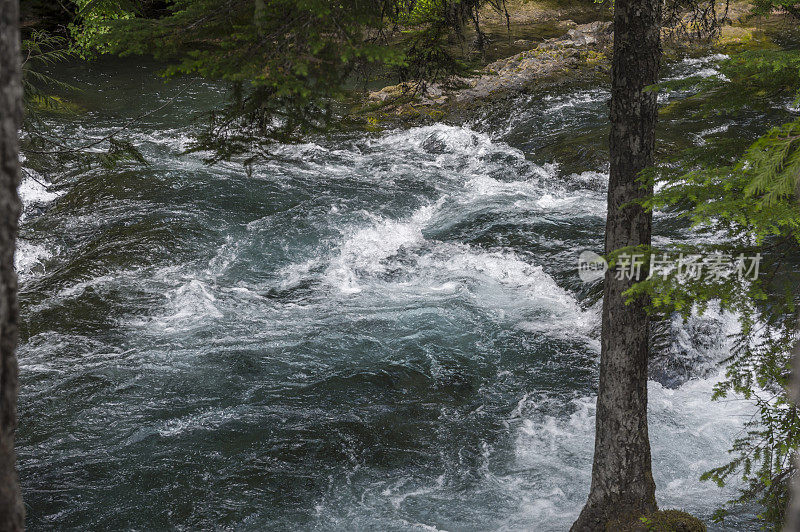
[(369, 332)]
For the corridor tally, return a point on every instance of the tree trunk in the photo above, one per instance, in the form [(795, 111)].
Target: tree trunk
[(792, 519), (12, 513), (622, 481)]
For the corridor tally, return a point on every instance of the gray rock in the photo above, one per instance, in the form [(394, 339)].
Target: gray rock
[(511, 73)]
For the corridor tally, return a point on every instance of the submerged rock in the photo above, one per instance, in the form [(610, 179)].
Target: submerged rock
[(684, 350)]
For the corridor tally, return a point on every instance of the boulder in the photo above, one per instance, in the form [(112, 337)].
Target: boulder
[(582, 44)]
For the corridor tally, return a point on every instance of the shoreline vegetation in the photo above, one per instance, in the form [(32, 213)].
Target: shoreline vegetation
[(542, 44), (547, 46), (534, 45)]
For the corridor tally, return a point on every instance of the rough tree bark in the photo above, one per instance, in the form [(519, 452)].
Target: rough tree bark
[(792, 519), (622, 480), (12, 513)]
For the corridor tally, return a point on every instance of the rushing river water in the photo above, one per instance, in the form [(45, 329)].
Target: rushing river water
[(370, 332)]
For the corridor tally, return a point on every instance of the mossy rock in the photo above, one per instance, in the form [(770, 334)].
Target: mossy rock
[(594, 58), (661, 521), (731, 40), (735, 39)]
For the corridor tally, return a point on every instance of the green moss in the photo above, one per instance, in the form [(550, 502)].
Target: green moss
[(596, 57), (731, 40), (436, 114), (593, 58), (661, 521), (373, 124), (735, 39)]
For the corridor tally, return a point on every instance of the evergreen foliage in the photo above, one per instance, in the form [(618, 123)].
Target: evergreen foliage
[(745, 205), (291, 65), (40, 51)]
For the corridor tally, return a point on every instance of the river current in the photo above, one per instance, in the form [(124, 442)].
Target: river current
[(379, 331)]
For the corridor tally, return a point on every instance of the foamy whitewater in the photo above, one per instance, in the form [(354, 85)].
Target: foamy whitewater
[(381, 332)]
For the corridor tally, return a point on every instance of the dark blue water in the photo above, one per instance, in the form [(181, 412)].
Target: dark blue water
[(370, 332)]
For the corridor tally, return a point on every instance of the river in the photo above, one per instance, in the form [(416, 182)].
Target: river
[(380, 331)]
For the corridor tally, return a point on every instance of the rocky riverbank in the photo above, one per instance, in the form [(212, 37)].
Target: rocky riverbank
[(583, 45), (581, 52)]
